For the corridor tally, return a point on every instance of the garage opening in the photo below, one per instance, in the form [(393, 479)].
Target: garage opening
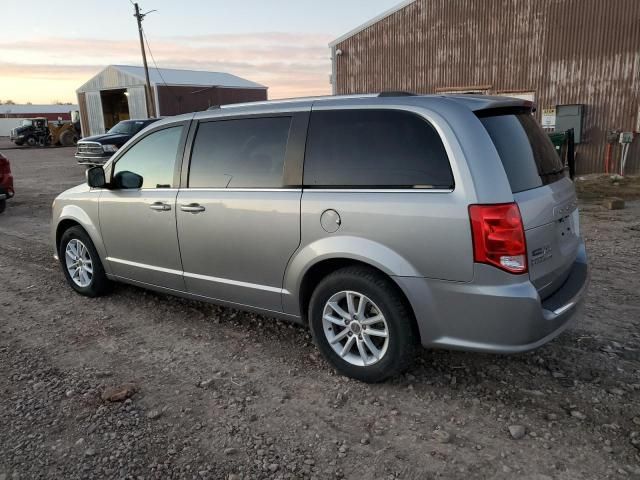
[(115, 107)]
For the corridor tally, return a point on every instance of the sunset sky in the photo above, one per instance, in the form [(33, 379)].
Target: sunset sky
[(279, 43)]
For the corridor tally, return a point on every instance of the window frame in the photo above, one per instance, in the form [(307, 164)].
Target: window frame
[(384, 188), (185, 124), (294, 152)]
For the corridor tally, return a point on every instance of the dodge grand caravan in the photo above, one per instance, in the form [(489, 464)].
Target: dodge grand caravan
[(381, 222)]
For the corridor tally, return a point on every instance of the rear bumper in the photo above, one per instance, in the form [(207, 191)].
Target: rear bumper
[(497, 312)]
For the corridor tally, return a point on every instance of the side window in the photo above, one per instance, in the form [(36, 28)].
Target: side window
[(153, 157), (374, 148), (244, 153)]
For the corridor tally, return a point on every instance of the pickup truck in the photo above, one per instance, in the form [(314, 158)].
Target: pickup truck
[(97, 149)]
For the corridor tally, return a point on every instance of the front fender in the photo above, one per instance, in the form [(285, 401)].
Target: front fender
[(339, 247), (88, 221)]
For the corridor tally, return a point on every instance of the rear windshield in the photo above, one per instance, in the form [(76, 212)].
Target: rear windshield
[(526, 151)]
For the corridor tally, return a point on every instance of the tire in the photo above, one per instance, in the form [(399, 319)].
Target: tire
[(31, 141), (381, 296), (19, 143), (67, 139), (89, 285), (3, 205)]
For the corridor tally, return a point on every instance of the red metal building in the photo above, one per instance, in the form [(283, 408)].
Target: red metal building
[(579, 60)]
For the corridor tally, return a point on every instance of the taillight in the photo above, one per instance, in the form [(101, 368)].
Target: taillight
[(498, 236)]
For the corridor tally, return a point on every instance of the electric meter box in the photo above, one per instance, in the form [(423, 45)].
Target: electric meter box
[(626, 137), (570, 116)]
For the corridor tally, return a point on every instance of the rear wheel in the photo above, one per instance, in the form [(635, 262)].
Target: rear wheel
[(362, 325), (81, 264)]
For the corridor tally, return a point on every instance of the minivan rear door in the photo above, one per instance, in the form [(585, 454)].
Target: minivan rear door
[(545, 195)]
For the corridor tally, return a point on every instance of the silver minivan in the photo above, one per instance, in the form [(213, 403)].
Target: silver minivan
[(382, 222)]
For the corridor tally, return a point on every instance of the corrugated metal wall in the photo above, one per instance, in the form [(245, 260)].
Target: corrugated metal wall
[(566, 51), (137, 100), (110, 77), (174, 100), (94, 113)]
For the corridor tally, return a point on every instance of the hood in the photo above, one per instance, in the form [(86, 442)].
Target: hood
[(117, 139)]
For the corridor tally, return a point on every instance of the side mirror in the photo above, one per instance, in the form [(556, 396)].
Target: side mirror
[(95, 177), (127, 180)]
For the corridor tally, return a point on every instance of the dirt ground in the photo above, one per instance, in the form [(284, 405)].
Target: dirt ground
[(217, 393)]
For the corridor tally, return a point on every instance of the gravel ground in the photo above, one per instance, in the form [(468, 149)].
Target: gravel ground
[(142, 385)]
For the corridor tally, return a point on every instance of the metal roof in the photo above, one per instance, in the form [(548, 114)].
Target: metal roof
[(370, 22), (172, 76), (33, 109)]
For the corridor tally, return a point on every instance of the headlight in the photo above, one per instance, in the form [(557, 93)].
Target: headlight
[(109, 148)]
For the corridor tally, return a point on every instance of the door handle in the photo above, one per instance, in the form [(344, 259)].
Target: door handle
[(160, 206), (192, 208)]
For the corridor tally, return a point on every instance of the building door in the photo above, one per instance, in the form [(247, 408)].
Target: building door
[(137, 103), (94, 114)]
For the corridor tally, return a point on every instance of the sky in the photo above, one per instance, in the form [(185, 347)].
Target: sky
[(282, 44)]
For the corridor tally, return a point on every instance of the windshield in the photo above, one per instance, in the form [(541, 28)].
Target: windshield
[(122, 127), (527, 154), (128, 128), (26, 123)]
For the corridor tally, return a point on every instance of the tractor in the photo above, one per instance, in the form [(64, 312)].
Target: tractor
[(40, 132)]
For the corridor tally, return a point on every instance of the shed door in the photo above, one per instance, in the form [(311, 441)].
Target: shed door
[(137, 103), (94, 113)]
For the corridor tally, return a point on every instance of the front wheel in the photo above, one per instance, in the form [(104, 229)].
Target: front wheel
[(31, 141), (81, 264), (3, 205), (362, 324)]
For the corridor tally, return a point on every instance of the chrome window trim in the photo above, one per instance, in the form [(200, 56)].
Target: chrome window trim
[(238, 189), (323, 190), (379, 190)]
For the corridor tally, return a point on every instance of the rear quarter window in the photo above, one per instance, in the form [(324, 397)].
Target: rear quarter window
[(374, 149), (526, 152)]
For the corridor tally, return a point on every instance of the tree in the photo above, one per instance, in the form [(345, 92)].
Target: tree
[(9, 102)]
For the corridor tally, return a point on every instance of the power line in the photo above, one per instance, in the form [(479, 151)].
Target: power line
[(146, 40)]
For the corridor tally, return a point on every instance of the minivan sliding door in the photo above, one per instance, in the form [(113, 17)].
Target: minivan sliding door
[(238, 221)]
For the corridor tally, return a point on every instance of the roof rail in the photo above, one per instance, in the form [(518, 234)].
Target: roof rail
[(396, 94)]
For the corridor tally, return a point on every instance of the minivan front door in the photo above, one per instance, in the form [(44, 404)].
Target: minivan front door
[(139, 225), (237, 224)]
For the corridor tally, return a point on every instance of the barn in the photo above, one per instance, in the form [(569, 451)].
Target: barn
[(119, 93), (578, 60)]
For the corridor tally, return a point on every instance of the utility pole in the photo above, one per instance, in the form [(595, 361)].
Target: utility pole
[(150, 105)]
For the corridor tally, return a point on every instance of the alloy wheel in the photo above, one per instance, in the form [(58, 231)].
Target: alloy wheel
[(355, 328), (79, 263)]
